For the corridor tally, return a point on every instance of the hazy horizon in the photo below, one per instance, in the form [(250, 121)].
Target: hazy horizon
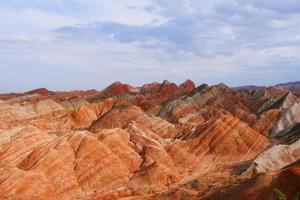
[(101, 88), (88, 44)]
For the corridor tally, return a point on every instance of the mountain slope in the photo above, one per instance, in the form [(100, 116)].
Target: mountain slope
[(157, 141)]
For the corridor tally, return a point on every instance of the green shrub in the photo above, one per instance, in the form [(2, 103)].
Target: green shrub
[(280, 194)]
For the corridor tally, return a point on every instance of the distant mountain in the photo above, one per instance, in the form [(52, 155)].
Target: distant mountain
[(290, 86), (249, 87)]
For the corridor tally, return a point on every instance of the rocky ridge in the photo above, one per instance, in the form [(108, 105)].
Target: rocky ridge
[(158, 141)]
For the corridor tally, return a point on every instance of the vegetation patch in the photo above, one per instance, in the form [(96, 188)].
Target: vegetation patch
[(282, 196)]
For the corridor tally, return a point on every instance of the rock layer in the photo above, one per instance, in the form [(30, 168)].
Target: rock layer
[(158, 141)]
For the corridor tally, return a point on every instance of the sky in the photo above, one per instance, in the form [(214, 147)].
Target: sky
[(88, 44)]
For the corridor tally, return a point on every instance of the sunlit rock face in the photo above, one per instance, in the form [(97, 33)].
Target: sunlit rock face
[(276, 158), (289, 118), (157, 141)]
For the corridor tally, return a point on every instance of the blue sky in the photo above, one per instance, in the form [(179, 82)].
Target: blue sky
[(85, 44)]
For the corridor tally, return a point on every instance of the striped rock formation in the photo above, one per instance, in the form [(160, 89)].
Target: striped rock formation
[(158, 141)]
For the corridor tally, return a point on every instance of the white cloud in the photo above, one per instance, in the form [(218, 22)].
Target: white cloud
[(32, 21), (140, 41)]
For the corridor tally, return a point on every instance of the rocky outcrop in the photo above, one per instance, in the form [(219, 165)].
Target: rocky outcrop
[(122, 115), (12, 114), (78, 119), (118, 141), (73, 103), (282, 102), (218, 96), (150, 88), (48, 114), (117, 88), (84, 116), (267, 120), (58, 165), (267, 93), (288, 135), (289, 118), (223, 138), (40, 91), (160, 94), (188, 86), (275, 158)]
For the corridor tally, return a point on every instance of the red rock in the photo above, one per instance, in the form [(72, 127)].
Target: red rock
[(267, 121), (256, 188), (60, 166), (122, 115), (262, 187), (188, 86), (150, 88), (118, 141), (223, 138), (288, 181), (166, 92), (219, 96), (61, 96), (158, 141), (40, 91), (83, 116), (117, 88)]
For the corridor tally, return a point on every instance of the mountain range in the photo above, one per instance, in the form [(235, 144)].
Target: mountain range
[(157, 141)]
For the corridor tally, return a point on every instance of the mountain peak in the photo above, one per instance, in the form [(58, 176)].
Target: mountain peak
[(131, 143)]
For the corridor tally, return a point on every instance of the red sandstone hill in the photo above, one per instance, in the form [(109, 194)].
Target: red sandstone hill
[(157, 141)]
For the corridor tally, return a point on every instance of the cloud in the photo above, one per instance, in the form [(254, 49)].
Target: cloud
[(206, 29), (88, 44), (88, 10), (282, 6)]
